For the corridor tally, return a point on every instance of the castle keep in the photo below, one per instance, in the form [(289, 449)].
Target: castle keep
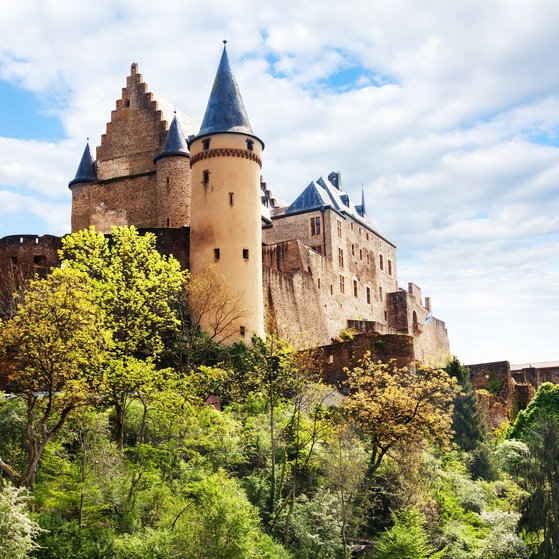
[(313, 268)]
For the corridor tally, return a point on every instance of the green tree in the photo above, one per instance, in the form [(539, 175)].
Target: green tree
[(399, 405), (544, 405), (136, 287), (467, 424), (407, 539), (53, 348), (540, 509), (17, 531)]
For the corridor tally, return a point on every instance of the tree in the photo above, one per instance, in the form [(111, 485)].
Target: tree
[(540, 509), (213, 305), (136, 287), (544, 405), (399, 405), (17, 530), (407, 539), (467, 424), (53, 349)]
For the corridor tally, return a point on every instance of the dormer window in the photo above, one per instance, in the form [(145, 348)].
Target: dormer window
[(206, 143)]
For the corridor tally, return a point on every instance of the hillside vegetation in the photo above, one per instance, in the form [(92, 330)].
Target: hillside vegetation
[(126, 433)]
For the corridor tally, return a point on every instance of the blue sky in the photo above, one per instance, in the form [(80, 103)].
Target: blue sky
[(446, 113)]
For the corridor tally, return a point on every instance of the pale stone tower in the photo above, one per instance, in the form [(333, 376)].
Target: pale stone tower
[(226, 218)]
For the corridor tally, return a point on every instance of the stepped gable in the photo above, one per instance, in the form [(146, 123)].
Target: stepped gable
[(137, 130)]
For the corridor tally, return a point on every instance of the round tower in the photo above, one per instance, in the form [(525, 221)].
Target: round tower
[(226, 220), (85, 175), (172, 168)]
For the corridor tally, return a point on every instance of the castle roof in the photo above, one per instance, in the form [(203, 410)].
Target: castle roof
[(225, 111), (86, 170), (175, 142)]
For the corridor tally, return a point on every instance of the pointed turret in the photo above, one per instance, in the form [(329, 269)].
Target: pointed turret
[(86, 171), (175, 143), (225, 111), (362, 210), (226, 215)]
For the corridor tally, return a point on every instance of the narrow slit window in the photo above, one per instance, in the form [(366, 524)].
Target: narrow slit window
[(368, 295), (355, 291), (231, 198), (242, 331), (205, 176), (217, 254), (245, 253)]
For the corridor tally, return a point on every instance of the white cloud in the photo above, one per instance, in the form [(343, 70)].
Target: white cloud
[(451, 128)]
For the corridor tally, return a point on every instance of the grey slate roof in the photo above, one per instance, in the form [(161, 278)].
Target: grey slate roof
[(225, 111), (323, 193), (175, 142), (87, 171)]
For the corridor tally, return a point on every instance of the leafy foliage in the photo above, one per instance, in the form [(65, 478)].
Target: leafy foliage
[(399, 405)]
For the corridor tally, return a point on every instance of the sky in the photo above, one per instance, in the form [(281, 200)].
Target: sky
[(446, 114)]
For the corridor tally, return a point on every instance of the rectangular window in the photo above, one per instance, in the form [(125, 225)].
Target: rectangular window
[(331, 289), (339, 229), (340, 258), (317, 248), (352, 249), (231, 198), (381, 261), (318, 283), (368, 260), (342, 284), (389, 267), (360, 254), (367, 236), (216, 254), (205, 176), (245, 253), (352, 225), (355, 292), (242, 331), (315, 226), (368, 295)]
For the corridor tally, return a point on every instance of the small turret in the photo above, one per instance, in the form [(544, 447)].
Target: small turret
[(87, 171), (172, 168)]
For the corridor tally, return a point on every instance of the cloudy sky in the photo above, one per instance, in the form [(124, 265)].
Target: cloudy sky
[(445, 112)]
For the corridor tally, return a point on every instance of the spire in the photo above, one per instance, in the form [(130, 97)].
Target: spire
[(363, 208), (86, 171), (225, 111), (175, 144)]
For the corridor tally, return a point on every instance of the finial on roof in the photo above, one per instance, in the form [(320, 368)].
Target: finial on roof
[(224, 41)]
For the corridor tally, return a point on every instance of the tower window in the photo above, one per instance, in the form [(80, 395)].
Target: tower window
[(352, 249), (381, 261), (127, 102), (206, 143), (331, 289), (245, 253), (380, 292), (250, 145), (168, 222), (205, 176), (342, 284), (315, 225), (231, 198), (368, 295), (339, 229), (340, 258), (355, 292), (217, 254), (318, 283), (242, 331), (390, 267), (360, 254)]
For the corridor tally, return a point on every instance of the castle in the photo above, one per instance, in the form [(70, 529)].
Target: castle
[(316, 267)]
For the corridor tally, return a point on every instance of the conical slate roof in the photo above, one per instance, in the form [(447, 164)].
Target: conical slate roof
[(225, 111), (175, 143), (86, 171)]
